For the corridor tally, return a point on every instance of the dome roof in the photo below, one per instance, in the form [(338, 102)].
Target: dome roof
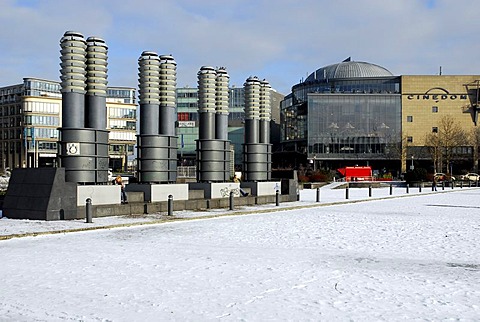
[(348, 69)]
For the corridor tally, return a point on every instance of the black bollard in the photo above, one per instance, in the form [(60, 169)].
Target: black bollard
[(408, 188), (461, 184), (231, 200), (420, 187), (453, 184), (443, 185), (277, 198), (170, 205), (391, 189), (318, 194), (88, 211), (346, 192), (370, 190)]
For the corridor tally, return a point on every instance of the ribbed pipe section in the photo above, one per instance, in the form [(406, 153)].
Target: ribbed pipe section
[(206, 102), (221, 104), (252, 109), (73, 79), (168, 98), (257, 162), (96, 104), (149, 92), (265, 112)]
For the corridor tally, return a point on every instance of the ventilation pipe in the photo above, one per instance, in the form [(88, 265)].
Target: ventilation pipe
[(257, 149), (157, 143), (213, 148), (83, 136)]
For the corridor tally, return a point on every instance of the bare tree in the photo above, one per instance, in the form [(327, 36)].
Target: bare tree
[(475, 142), (443, 145)]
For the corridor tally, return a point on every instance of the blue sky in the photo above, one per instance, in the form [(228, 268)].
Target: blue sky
[(280, 40)]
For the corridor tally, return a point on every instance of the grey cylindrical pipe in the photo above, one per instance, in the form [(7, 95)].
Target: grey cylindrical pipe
[(206, 103), (221, 104), (73, 71), (252, 109), (168, 84), (96, 98), (265, 112), (149, 97)]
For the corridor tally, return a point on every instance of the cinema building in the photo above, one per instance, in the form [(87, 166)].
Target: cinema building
[(358, 113)]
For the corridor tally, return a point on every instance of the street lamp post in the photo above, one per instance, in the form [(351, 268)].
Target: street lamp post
[(412, 167)]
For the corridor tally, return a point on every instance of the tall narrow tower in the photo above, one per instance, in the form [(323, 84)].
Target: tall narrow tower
[(257, 150), (157, 143), (83, 136), (213, 147)]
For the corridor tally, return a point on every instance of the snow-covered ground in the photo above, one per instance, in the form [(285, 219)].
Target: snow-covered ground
[(400, 257)]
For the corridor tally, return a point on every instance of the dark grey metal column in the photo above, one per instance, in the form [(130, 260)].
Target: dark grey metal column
[(149, 92), (265, 112), (265, 118), (206, 103), (73, 77), (166, 131), (213, 148), (252, 110), (96, 106), (168, 98), (221, 104)]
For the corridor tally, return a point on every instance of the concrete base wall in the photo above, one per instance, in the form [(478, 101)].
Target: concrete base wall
[(263, 188), (178, 205), (100, 195), (160, 192), (215, 190)]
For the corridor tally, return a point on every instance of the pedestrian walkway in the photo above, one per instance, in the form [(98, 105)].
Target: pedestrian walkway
[(330, 195)]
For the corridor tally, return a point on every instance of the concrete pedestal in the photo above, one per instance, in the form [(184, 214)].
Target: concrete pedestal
[(160, 192), (99, 194), (215, 190), (268, 188)]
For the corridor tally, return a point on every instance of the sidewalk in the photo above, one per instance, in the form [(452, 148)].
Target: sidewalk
[(14, 228)]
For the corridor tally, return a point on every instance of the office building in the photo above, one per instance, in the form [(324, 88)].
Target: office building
[(30, 115), (358, 113)]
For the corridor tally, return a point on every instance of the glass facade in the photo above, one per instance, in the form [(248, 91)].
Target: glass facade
[(358, 126), (36, 87), (338, 121)]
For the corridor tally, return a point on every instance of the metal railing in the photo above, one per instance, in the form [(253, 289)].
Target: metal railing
[(186, 171)]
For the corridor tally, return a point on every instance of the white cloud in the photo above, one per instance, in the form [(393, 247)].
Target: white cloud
[(280, 41)]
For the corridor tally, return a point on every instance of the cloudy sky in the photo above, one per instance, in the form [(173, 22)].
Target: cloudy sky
[(280, 40)]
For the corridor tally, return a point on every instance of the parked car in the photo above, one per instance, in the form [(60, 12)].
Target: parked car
[(443, 177), (470, 177)]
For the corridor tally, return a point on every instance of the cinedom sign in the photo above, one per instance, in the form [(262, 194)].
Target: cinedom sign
[(445, 95)]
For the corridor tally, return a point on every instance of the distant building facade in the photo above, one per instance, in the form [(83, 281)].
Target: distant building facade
[(360, 113), (30, 115)]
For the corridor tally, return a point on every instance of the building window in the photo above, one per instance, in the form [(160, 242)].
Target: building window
[(434, 129), (434, 109), (410, 139), (409, 118)]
